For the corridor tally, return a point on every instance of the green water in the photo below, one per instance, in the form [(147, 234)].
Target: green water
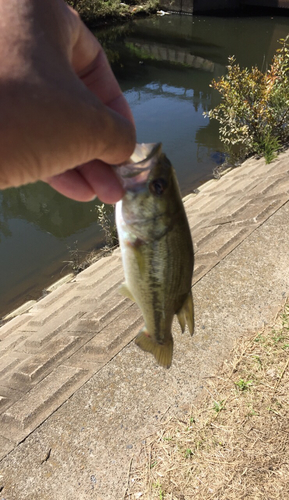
[(164, 65)]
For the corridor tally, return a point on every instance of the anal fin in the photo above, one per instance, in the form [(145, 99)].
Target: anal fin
[(186, 314), (162, 352)]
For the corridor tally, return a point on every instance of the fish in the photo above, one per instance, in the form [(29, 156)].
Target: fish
[(156, 248)]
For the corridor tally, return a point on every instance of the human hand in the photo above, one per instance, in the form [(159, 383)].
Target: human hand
[(64, 119)]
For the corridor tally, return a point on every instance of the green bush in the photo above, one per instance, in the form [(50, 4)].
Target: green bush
[(92, 11), (254, 109)]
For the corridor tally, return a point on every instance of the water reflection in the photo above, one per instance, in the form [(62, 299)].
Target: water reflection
[(165, 69), (43, 207), (38, 228), (164, 66)]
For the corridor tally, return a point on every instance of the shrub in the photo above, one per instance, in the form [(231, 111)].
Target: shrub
[(93, 11), (254, 109)]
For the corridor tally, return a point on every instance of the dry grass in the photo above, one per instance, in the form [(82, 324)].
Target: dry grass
[(80, 260), (235, 443)]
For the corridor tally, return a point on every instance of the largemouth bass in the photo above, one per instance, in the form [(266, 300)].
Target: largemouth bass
[(156, 248)]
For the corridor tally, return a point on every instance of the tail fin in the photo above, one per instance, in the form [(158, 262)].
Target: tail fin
[(186, 314), (162, 352)]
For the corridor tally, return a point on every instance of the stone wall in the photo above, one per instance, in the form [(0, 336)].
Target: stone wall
[(282, 4), (203, 6), (210, 5), (184, 6), (197, 6)]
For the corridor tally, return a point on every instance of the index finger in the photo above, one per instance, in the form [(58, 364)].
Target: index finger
[(92, 67)]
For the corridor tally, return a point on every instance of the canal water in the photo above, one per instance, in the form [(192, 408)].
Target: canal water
[(164, 66)]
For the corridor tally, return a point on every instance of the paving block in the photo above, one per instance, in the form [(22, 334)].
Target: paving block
[(99, 285), (253, 168), (270, 208), (9, 361), (102, 312), (199, 272), (279, 166), (219, 205), (257, 207), (5, 447), (273, 185), (20, 310), (25, 415), (204, 234), (12, 341), (13, 325), (115, 336), (227, 237), (36, 367), (207, 260), (65, 292), (197, 204), (49, 314), (8, 396), (239, 185), (80, 360), (100, 269), (57, 284), (196, 224), (189, 199), (43, 333)]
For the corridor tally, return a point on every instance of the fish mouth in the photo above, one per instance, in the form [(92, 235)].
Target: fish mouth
[(134, 173), (144, 152)]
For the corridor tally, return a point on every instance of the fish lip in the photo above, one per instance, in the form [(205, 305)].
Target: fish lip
[(134, 173), (144, 152)]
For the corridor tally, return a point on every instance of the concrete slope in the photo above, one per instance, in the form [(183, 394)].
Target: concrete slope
[(77, 397)]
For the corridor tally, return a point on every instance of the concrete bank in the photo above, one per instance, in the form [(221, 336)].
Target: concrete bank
[(77, 397)]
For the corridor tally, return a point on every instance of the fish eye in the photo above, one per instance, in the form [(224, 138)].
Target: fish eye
[(158, 186)]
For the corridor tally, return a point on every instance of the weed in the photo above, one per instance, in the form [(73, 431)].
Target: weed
[(242, 385), (259, 338), (278, 338), (158, 486), (93, 10), (219, 405), (252, 413), (258, 360), (188, 453), (268, 146), (80, 260), (105, 219)]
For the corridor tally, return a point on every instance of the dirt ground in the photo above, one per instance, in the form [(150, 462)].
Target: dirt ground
[(234, 444)]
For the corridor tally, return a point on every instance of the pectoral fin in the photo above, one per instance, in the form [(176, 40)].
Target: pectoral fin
[(162, 352), (186, 314), (123, 289)]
